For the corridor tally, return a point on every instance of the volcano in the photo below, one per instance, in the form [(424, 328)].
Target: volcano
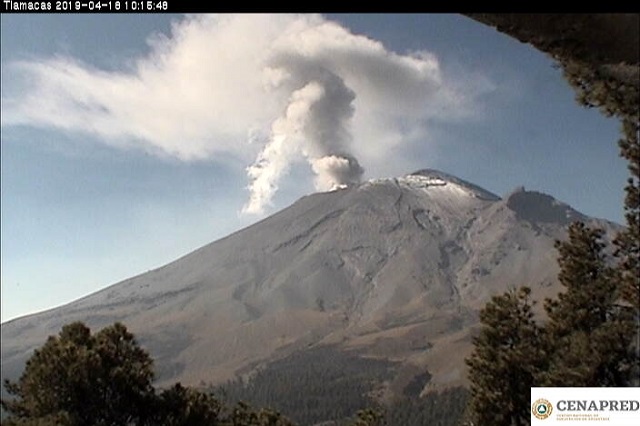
[(390, 269)]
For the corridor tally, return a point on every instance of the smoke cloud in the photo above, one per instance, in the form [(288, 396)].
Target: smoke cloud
[(335, 171), (316, 125), (263, 91)]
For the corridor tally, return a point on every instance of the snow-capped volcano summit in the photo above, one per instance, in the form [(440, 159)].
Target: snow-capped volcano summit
[(392, 268), (436, 177), (437, 181), (429, 182)]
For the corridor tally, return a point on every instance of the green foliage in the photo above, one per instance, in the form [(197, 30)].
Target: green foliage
[(324, 385), (443, 408), (585, 342), (101, 379), (311, 386), (507, 356), (59, 419), (181, 406), (597, 88), (369, 417), (243, 415), (80, 379), (615, 90), (628, 241), (588, 332)]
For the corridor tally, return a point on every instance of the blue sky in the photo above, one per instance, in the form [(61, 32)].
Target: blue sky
[(126, 139)]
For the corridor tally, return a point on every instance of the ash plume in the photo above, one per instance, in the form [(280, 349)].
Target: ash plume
[(315, 125), (304, 88)]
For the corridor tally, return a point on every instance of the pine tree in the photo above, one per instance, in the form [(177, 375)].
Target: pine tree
[(83, 379), (586, 340), (588, 332), (369, 417), (104, 379), (243, 415), (619, 96), (590, 336), (628, 241), (183, 406), (506, 359)]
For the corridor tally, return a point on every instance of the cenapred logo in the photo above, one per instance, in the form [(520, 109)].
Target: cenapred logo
[(571, 406), (541, 408)]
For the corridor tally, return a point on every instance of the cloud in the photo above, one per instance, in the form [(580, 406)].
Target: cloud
[(267, 90)]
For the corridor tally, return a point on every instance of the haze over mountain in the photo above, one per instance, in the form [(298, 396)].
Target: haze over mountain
[(393, 268)]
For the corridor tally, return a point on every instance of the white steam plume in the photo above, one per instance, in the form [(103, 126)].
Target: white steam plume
[(307, 87), (336, 171), (315, 124)]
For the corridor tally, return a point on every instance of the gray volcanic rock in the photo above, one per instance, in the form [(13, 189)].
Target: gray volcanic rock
[(393, 268)]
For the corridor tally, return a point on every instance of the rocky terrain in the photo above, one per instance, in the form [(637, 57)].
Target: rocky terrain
[(392, 269)]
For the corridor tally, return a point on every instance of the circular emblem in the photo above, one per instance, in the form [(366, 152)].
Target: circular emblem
[(541, 408)]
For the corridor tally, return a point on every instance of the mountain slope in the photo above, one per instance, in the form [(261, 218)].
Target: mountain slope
[(392, 268)]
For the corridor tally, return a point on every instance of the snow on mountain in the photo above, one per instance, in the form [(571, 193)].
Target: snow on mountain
[(392, 268)]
